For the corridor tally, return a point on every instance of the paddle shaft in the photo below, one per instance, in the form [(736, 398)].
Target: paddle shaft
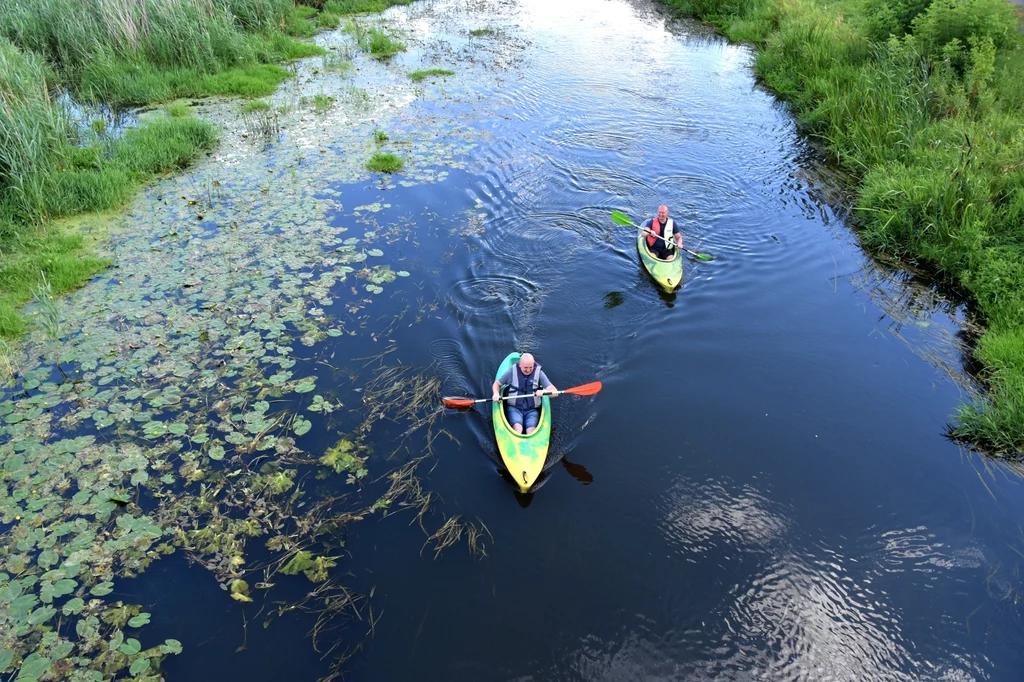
[(517, 396)]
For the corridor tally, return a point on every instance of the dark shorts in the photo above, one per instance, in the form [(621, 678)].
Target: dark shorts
[(529, 418), (659, 250)]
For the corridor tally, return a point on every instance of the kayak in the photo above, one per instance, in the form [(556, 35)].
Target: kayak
[(524, 456), (667, 273)]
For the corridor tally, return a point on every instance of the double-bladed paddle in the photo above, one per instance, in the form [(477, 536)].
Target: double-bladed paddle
[(586, 389), (621, 218)]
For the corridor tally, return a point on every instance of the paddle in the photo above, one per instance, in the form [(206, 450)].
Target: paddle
[(585, 389), (622, 219)]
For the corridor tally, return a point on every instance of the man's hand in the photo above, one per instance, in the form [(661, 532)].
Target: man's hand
[(495, 398)]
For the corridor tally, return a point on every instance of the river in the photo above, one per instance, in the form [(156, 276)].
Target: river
[(763, 489)]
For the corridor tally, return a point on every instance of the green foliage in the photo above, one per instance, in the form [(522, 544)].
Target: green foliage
[(177, 109), (385, 162), (255, 105), (343, 457), (322, 103), (380, 136), (360, 6), (313, 567), (427, 73), (375, 41), (328, 20), (924, 101)]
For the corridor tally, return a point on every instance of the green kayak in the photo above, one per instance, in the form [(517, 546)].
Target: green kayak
[(524, 456), (667, 273)]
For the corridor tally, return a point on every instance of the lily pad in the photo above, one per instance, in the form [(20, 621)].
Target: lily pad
[(139, 620)]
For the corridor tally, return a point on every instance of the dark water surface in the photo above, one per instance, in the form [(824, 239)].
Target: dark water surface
[(761, 491)]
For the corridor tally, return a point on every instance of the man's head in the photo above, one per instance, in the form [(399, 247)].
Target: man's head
[(662, 213), (526, 363)]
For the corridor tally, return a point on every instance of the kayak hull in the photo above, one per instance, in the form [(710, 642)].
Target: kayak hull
[(667, 273), (524, 456)]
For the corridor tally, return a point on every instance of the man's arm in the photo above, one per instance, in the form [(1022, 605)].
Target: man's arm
[(498, 383), (545, 383)]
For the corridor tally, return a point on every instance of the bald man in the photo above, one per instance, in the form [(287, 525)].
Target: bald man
[(525, 378), (663, 226)]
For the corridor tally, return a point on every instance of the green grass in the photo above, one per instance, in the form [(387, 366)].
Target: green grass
[(322, 103), (380, 136), (924, 102), (177, 109), (479, 32), (255, 105), (360, 6), (376, 42), (385, 162), (427, 73)]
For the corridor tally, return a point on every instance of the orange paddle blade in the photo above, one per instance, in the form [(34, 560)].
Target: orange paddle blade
[(585, 389), (458, 402)]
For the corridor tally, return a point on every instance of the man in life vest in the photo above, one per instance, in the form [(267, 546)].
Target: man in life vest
[(663, 226), (525, 378)]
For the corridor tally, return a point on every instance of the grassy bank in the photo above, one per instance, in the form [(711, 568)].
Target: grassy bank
[(120, 52), (924, 102)]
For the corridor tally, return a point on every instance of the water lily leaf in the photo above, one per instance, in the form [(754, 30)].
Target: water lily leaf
[(402, 273), (139, 666), (334, 332), (139, 477), (375, 252), (170, 646), (305, 386), (130, 647), (177, 428), (6, 656), (139, 620), (63, 587), (200, 438), (102, 589), (61, 651), (302, 426), (216, 452), (33, 667), (41, 615), (73, 606)]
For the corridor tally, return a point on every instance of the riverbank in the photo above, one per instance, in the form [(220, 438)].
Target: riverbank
[(58, 161), (922, 102)]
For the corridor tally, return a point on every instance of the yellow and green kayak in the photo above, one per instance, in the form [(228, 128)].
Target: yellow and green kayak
[(524, 456), (667, 273)]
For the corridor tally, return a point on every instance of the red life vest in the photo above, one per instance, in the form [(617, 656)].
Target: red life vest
[(656, 229)]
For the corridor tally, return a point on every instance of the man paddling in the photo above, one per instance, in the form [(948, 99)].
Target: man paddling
[(663, 226), (527, 379)]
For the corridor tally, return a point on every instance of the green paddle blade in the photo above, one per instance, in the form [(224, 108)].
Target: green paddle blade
[(621, 218), (703, 256)]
